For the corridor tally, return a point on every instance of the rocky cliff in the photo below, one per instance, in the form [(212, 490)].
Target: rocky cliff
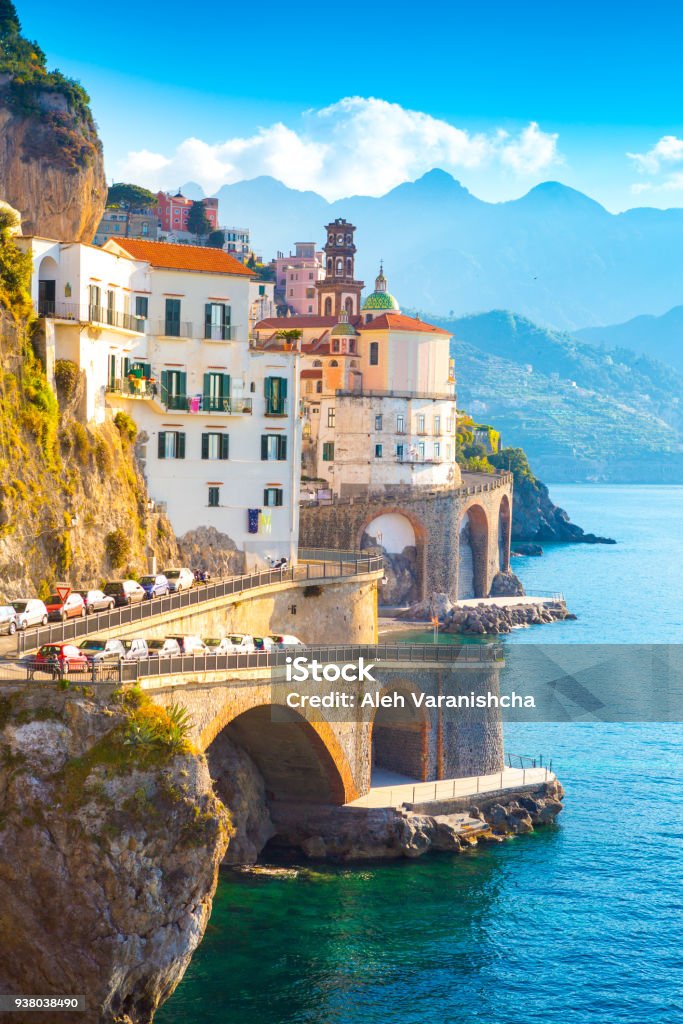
[(51, 164), (110, 841)]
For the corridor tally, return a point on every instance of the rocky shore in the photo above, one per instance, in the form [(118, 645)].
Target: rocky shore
[(360, 834), (483, 619)]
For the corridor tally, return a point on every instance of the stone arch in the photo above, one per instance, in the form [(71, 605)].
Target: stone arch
[(348, 304), (473, 547), (328, 306), (48, 272), (399, 736), (504, 533), (406, 531), (299, 760)]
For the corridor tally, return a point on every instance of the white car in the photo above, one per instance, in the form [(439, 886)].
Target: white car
[(135, 648), (286, 640), (179, 579), (241, 643), (263, 643), (30, 613), (218, 645), (8, 619), (166, 648)]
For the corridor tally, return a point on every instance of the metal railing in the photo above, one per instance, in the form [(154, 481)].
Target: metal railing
[(90, 314), (436, 396), (279, 408), (139, 387), (408, 794), (528, 761), (191, 664), (129, 614), (216, 332), (174, 329), (227, 405)]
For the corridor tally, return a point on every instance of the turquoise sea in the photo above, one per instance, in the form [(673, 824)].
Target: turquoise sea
[(580, 923)]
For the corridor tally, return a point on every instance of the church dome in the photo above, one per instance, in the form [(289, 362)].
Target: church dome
[(343, 329), (380, 300)]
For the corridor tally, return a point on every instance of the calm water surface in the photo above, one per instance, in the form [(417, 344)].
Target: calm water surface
[(577, 923)]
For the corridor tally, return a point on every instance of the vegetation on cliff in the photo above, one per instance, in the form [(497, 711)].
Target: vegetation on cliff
[(54, 468)]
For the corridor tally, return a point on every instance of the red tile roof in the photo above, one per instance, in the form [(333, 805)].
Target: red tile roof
[(170, 256), (400, 322), (280, 323), (311, 373)]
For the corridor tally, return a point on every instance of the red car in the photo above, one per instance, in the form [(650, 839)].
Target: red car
[(59, 659), (60, 611)]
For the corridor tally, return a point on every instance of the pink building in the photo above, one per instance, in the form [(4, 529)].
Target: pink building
[(173, 211), (296, 276)]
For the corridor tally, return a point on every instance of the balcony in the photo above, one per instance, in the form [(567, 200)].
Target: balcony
[(277, 408), (137, 387), (173, 329), (229, 405), (72, 311), (216, 332)]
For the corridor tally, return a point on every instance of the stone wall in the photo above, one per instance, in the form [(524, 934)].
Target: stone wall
[(436, 517)]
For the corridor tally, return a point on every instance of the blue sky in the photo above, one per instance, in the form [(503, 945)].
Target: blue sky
[(501, 95)]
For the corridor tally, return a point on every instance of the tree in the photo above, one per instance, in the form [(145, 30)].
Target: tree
[(197, 222), (9, 20), (216, 239), (130, 196)]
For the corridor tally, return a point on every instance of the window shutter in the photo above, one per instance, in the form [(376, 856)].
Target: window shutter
[(207, 320), (283, 387), (147, 370), (180, 449), (164, 387), (162, 444), (207, 391), (282, 447), (268, 387), (226, 320), (225, 446), (205, 446), (225, 383), (278, 496), (182, 385), (264, 447)]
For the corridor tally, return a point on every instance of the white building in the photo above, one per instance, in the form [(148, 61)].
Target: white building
[(162, 332)]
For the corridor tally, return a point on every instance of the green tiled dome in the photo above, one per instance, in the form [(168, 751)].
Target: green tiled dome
[(380, 299), (342, 330)]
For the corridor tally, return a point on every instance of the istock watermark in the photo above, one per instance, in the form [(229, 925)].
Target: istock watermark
[(301, 670)]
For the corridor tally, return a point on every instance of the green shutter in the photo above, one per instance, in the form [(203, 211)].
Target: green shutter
[(126, 367), (182, 387), (225, 388), (225, 446), (282, 447), (283, 387), (205, 446), (207, 320), (226, 321), (264, 447), (207, 392), (164, 386), (268, 388), (278, 496), (162, 444), (180, 452)]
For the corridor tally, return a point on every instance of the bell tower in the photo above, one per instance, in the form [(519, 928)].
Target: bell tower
[(339, 289)]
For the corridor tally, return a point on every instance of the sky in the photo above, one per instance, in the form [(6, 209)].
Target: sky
[(355, 98)]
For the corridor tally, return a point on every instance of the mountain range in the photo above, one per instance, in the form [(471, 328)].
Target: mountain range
[(660, 337), (554, 255)]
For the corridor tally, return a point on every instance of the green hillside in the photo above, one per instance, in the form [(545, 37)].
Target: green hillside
[(579, 412)]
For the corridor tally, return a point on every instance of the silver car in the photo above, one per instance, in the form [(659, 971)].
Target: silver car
[(8, 619), (31, 612)]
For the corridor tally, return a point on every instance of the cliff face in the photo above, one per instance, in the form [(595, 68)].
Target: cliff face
[(535, 517), (52, 171), (109, 854)]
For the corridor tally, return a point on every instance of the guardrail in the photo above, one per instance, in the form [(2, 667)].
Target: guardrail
[(77, 628), (130, 671), (407, 794), (528, 761)]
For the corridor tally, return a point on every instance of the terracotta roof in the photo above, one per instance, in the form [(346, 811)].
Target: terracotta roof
[(400, 322), (280, 323), (311, 373), (171, 256)]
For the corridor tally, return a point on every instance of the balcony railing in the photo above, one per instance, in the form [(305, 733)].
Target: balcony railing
[(231, 405), (278, 408), (173, 329), (90, 314), (216, 332), (138, 387)]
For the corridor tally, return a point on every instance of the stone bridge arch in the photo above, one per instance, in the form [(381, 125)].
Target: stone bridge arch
[(474, 555), (400, 736), (402, 535), (504, 532), (300, 760)]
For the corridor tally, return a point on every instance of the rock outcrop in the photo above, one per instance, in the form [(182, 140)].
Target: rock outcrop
[(492, 620), (239, 785), (208, 549), (535, 517), (506, 584), (109, 855)]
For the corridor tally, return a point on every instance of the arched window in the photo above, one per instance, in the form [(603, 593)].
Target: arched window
[(329, 266), (349, 266), (334, 362), (348, 239), (340, 267), (328, 306), (352, 344), (348, 305), (317, 363), (319, 387)]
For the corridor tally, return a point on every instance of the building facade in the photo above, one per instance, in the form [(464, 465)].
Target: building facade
[(173, 211), (120, 223), (296, 278), (339, 290)]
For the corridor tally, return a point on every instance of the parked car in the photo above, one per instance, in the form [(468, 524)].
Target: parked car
[(125, 592), (166, 648), (217, 645), (135, 648), (263, 643), (8, 619), (155, 586), (188, 643), (96, 601), (97, 651), (58, 659), (72, 608), (179, 579), (30, 613), (286, 640), (242, 643)]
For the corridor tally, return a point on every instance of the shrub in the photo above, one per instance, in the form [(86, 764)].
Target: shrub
[(117, 547), (67, 376), (81, 442), (103, 457), (126, 426)]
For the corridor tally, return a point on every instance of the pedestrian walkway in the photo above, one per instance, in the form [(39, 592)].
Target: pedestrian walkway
[(389, 789)]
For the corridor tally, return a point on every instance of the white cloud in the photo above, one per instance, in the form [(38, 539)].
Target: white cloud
[(359, 145), (667, 152)]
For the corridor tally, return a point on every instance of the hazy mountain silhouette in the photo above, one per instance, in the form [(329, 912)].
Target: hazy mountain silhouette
[(657, 336)]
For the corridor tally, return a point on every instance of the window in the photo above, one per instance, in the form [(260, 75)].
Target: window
[(421, 451), (272, 497), (262, 289), (174, 389), (309, 387), (310, 309), (214, 497), (215, 445), (172, 319), (449, 425), (378, 422), (273, 447), (328, 451), (94, 300), (319, 387), (437, 450), (216, 395), (141, 305), (340, 268), (335, 344), (334, 363), (378, 451), (317, 363), (352, 344), (399, 452), (421, 425), (328, 307), (145, 228), (310, 276), (171, 444), (437, 424), (275, 390), (374, 353), (217, 321), (400, 424), (331, 417)]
